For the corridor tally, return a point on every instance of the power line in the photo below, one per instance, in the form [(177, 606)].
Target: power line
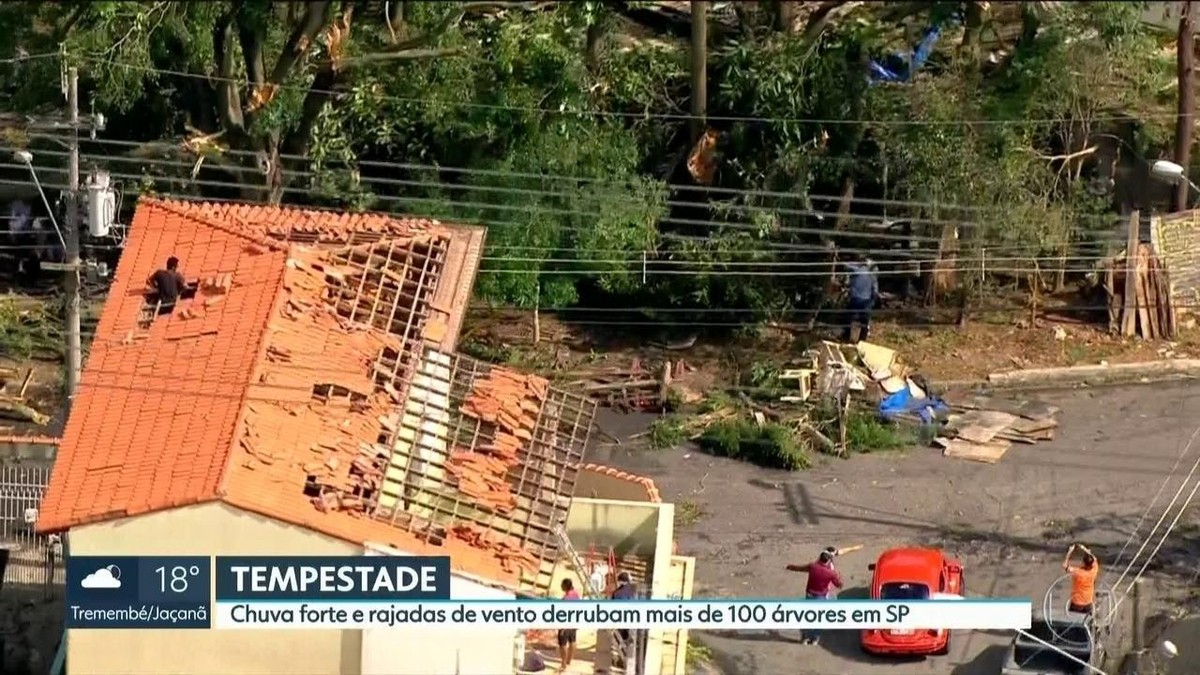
[(670, 187), (748, 228), (1170, 528)]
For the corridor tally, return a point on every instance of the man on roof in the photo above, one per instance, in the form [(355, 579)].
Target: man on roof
[(167, 283), (1083, 579)]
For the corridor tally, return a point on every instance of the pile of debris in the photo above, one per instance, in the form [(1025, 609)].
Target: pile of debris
[(976, 428), (639, 386), (13, 404), (983, 428), (871, 372)]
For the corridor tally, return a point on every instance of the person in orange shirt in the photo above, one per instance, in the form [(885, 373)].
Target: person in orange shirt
[(1083, 579)]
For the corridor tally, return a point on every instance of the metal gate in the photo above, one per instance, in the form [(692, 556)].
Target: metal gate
[(33, 560)]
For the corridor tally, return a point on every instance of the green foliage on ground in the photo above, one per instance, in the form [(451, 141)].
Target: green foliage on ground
[(560, 126), (774, 446), (667, 432), (866, 432), (29, 331)]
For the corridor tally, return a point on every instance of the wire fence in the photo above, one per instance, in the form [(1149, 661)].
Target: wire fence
[(34, 561)]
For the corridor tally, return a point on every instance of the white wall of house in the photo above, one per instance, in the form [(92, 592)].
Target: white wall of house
[(440, 651)]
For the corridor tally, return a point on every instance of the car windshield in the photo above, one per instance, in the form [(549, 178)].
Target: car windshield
[(904, 591)]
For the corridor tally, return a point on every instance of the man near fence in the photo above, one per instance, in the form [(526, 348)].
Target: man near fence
[(863, 289), (822, 579)]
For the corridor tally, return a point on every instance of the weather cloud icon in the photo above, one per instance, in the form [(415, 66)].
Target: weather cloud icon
[(105, 577)]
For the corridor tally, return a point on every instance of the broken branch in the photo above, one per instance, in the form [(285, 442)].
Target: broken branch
[(19, 411)]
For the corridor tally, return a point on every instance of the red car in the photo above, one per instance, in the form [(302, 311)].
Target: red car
[(912, 574)]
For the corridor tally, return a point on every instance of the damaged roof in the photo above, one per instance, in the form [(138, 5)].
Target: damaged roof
[(283, 388)]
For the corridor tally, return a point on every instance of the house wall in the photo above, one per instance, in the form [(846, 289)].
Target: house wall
[(209, 530), (426, 651), (595, 485), (642, 529)]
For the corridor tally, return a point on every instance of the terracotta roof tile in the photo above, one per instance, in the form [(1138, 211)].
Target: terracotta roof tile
[(261, 392), (652, 493)]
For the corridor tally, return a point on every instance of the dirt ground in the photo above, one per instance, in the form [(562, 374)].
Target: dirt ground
[(943, 353), (1010, 523)]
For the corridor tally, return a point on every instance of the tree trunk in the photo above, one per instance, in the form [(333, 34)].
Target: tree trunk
[(1185, 58), (846, 203), (785, 14), (595, 37), (699, 63), (972, 30)]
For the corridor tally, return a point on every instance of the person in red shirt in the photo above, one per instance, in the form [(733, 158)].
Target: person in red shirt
[(822, 579)]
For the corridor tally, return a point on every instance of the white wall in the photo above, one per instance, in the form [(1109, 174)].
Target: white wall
[(434, 651)]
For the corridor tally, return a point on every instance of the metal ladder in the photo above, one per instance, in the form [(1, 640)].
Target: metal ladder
[(564, 544), (593, 592)]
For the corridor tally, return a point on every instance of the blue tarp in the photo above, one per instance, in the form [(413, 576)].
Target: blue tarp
[(902, 67), (903, 402)]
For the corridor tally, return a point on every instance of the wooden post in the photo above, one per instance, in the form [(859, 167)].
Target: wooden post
[(843, 422), (1129, 300), (664, 385), (1185, 73), (699, 64), (537, 316), (1139, 637), (1035, 284)]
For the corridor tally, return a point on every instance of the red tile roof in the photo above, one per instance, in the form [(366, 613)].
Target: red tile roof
[(216, 401)]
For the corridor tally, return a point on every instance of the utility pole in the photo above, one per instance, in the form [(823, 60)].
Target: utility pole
[(1185, 72), (1139, 637), (699, 67), (71, 239)]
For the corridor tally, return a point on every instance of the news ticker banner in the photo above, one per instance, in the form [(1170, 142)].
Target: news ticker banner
[(396, 592)]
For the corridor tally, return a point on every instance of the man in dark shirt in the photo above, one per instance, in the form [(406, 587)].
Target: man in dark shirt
[(864, 289), (167, 284), (822, 579), (625, 590)]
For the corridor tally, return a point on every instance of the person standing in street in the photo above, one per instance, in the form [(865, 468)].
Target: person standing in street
[(625, 590), (864, 290), (1083, 580), (567, 636), (822, 580)]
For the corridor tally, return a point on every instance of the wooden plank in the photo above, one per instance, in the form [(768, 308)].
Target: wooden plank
[(1150, 289), (988, 453), (1128, 305), (985, 425), (1140, 299), (1016, 438), (1028, 426)]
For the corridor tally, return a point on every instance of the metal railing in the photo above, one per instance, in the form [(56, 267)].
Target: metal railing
[(34, 561)]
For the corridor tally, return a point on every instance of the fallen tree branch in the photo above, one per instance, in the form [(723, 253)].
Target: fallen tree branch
[(22, 413), (1079, 154)]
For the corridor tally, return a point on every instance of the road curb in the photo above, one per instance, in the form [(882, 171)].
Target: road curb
[(1121, 373)]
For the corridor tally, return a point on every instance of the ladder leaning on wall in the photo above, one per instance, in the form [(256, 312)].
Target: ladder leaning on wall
[(592, 589)]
